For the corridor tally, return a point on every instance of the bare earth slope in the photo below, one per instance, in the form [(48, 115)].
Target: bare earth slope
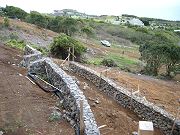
[(29, 33), (24, 107)]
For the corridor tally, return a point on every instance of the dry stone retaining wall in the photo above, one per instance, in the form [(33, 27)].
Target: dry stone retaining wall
[(30, 55), (143, 108), (69, 90)]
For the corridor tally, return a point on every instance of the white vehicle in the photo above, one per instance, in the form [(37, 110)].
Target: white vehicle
[(105, 43)]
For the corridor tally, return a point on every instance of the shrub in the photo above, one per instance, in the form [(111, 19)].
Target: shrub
[(62, 43), (109, 62)]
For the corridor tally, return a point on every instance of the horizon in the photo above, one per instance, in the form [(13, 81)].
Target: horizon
[(162, 9)]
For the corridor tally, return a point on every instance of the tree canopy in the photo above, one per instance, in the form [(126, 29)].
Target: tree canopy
[(14, 12), (37, 19), (158, 54), (87, 30)]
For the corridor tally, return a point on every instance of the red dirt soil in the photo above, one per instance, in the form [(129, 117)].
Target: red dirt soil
[(24, 107)]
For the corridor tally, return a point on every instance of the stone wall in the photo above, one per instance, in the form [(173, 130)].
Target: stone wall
[(30, 55), (144, 109), (68, 89)]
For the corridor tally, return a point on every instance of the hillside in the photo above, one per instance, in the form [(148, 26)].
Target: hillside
[(26, 32), (124, 51), (125, 40)]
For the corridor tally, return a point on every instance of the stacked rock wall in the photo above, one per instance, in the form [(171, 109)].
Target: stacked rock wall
[(143, 108), (71, 94), (30, 55)]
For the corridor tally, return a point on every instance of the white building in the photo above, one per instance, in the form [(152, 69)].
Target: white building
[(135, 21)]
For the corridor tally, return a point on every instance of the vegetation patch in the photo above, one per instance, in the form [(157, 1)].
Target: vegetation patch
[(55, 116), (44, 50), (108, 62), (116, 60), (156, 56), (61, 45), (20, 44)]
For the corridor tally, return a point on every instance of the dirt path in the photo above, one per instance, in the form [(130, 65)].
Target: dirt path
[(24, 107)]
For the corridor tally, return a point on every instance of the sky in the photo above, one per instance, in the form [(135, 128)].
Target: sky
[(164, 9)]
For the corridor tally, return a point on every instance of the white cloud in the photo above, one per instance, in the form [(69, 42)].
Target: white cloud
[(151, 8)]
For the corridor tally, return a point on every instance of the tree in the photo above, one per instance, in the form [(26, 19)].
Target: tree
[(37, 19), (1, 11), (172, 55), (69, 26), (88, 31), (55, 24), (62, 43), (152, 54), (145, 21), (15, 12), (158, 54)]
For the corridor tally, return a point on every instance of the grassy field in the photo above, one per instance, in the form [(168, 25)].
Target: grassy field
[(126, 58)]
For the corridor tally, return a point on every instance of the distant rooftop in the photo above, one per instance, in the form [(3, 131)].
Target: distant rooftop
[(176, 30)]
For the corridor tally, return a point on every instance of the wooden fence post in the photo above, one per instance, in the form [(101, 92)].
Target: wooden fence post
[(73, 53), (81, 118)]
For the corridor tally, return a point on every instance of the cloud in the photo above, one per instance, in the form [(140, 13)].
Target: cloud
[(167, 9)]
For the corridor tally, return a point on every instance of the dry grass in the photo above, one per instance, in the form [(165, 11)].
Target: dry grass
[(30, 28)]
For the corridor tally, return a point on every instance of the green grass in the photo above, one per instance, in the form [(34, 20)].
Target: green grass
[(20, 44), (95, 61), (44, 50), (123, 62), (134, 48)]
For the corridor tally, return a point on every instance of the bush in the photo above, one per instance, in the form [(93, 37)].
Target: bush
[(62, 43), (108, 62)]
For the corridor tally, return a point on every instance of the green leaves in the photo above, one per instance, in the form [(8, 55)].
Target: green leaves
[(160, 52), (62, 43), (87, 30), (15, 12), (37, 19)]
